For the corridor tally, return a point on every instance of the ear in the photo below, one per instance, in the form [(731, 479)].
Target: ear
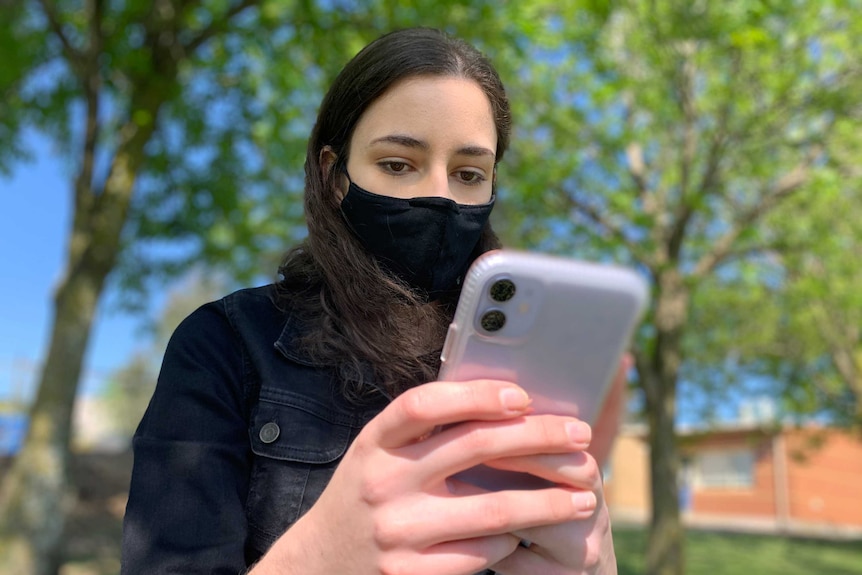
[(327, 161)]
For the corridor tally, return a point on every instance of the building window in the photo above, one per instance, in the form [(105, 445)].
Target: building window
[(723, 468)]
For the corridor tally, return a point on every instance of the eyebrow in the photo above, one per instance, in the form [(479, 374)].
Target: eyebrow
[(411, 142)]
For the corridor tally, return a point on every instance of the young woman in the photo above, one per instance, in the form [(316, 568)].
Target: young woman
[(289, 432)]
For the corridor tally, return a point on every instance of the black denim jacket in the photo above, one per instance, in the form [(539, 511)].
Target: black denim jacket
[(240, 438)]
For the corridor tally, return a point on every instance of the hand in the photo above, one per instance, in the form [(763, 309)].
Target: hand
[(577, 546), (390, 508), (582, 546)]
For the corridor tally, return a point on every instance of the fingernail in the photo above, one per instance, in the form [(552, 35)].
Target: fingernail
[(579, 432), (514, 399), (584, 500)]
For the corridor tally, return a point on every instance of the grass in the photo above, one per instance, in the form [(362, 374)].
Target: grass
[(706, 553), (743, 554)]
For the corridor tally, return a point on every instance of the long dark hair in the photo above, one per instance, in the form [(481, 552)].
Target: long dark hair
[(357, 317)]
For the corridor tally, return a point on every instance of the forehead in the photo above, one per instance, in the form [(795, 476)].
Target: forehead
[(445, 110)]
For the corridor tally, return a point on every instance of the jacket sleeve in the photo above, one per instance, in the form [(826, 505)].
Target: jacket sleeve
[(186, 508)]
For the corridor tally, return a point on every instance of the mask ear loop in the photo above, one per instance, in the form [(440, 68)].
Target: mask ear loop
[(339, 168), (344, 171)]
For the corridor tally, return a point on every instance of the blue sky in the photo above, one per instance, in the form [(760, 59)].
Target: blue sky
[(34, 222)]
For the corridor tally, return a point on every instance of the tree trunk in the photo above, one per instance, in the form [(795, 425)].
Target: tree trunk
[(665, 544), (34, 492), (33, 495), (659, 372)]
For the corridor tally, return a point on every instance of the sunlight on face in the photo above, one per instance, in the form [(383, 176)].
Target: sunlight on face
[(427, 136)]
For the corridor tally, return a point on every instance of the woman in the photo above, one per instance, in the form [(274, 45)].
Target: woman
[(288, 432)]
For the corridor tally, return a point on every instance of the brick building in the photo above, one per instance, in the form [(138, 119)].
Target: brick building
[(797, 480)]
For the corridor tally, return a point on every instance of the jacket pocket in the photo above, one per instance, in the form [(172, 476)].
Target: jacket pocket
[(297, 442)]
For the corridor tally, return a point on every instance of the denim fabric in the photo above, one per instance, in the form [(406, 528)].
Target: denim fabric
[(240, 438)]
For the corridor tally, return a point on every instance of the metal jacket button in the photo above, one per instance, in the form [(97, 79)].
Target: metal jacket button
[(269, 432)]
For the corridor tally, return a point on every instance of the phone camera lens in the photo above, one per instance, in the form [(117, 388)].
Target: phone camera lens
[(502, 290), (493, 320)]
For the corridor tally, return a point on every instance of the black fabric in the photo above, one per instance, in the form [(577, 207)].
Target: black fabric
[(240, 438), (207, 494), (427, 242)]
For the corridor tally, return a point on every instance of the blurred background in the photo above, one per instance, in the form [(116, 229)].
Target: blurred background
[(151, 159)]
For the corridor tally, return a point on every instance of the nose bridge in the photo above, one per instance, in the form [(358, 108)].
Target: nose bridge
[(437, 181)]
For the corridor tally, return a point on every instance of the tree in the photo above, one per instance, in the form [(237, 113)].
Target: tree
[(818, 342), (799, 332), (185, 123), (666, 135), (113, 69)]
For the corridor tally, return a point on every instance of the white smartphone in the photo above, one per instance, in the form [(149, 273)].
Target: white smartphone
[(555, 326)]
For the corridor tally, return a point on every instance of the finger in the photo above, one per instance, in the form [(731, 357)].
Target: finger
[(569, 539), (578, 542), (582, 545), (468, 444), (424, 522), (578, 470), (608, 423), (418, 411), (526, 561), (454, 557)]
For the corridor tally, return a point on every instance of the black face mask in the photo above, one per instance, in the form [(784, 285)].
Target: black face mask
[(427, 242)]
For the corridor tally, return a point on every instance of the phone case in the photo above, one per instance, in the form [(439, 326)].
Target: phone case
[(559, 333)]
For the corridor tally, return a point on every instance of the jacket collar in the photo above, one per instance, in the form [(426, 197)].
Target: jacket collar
[(288, 343), (288, 346)]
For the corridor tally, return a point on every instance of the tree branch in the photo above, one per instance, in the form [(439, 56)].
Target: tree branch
[(217, 26), (784, 187), (634, 151), (75, 58), (604, 222), (709, 181), (774, 248), (845, 364), (841, 343), (678, 229), (685, 91), (637, 169), (91, 81), (637, 166)]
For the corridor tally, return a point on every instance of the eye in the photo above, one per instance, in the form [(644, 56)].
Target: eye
[(394, 167), (469, 177)]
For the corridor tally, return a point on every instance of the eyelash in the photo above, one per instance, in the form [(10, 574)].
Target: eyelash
[(477, 178), (387, 167)]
